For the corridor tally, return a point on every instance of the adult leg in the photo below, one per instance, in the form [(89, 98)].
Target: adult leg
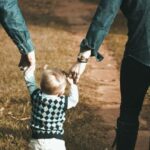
[(134, 83)]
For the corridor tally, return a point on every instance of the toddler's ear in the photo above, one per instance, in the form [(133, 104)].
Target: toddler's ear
[(45, 67)]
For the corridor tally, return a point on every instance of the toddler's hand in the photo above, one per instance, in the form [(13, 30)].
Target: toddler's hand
[(70, 80), (76, 71)]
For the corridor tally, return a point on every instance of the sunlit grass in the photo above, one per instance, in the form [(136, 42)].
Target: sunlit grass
[(56, 48), (116, 44)]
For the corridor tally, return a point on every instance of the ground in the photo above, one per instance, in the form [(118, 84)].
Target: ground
[(57, 29)]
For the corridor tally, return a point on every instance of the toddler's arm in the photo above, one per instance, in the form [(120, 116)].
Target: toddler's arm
[(73, 97), (30, 80)]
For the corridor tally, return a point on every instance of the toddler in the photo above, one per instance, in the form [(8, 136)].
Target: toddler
[(49, 105)]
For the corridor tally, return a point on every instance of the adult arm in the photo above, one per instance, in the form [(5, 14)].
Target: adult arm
[(99, 28), (104, 16), (14, 24)]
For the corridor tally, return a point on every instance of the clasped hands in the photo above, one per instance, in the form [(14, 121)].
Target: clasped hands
[(29, 61)]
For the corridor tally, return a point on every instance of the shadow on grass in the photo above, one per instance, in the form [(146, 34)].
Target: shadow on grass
[(41, 13), (84, 130), (91, 1), (6, 132), (145, 115), (14, 138)]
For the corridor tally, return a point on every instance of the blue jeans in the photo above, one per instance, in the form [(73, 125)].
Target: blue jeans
[(14, 24)]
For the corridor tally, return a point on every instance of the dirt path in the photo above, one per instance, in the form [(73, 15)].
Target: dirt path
[(78, 15)]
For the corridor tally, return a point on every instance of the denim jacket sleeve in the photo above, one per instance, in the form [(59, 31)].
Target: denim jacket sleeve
[(14, 24), (99, 28)]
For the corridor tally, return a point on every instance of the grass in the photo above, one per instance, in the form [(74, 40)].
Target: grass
[(90, 1), (56, 48), (116, 44)]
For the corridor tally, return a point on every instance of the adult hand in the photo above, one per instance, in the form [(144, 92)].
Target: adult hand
[(78, 68), (76, 71), (27, 60)]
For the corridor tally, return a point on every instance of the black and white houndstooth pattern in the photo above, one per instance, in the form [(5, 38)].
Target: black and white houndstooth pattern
[(48, 115)]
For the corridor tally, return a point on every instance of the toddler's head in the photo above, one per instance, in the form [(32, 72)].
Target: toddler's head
[(53, 82)]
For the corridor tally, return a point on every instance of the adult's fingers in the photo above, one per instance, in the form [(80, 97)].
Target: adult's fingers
[(74, 75), (23, 62), (76, 80)]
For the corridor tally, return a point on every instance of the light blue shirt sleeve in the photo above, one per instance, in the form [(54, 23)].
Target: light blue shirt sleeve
[(73, 97), (30, 82)]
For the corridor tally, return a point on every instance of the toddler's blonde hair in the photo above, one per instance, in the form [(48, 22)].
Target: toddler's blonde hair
[(53, 81)]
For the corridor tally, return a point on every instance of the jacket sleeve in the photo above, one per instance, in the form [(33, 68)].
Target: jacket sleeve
[(104, 16), (14, 24)]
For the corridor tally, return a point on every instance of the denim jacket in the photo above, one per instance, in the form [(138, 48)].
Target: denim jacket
[(137, 13), (14, 24)]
